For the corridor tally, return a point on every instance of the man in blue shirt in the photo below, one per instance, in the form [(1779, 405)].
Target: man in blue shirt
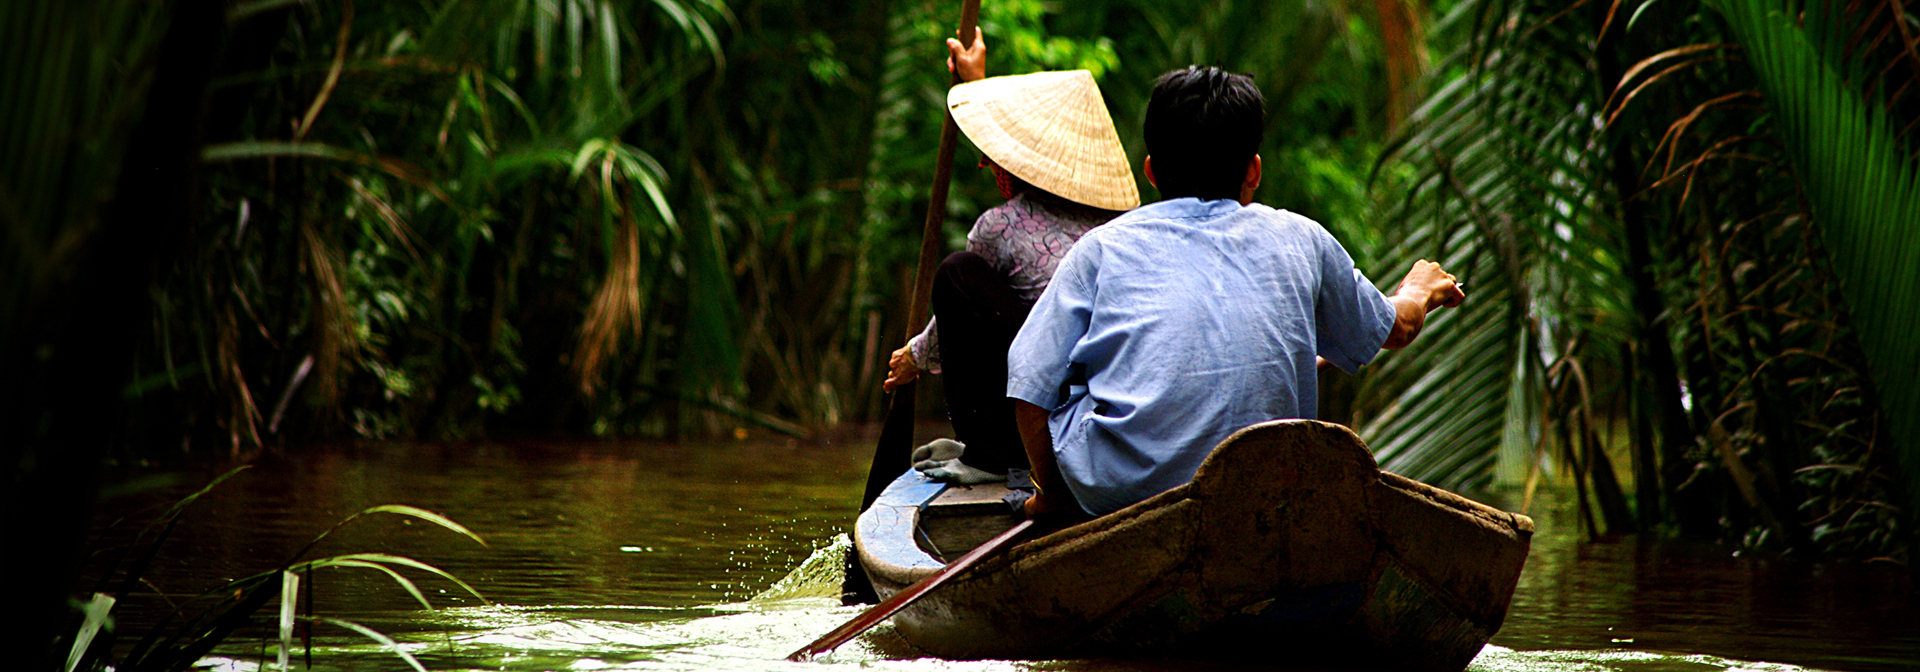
[(1180, 322)]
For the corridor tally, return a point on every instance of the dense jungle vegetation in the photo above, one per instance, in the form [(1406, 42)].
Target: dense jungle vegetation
[(1687, 228)]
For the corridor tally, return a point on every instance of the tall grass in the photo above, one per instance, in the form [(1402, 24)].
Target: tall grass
[(198, 625)]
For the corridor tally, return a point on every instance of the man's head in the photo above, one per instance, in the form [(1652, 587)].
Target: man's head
[(1203, 128)]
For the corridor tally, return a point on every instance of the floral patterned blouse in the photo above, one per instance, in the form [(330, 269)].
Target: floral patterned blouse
[(1024, 238)]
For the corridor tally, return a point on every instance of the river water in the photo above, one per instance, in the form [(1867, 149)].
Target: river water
[(651, 556)]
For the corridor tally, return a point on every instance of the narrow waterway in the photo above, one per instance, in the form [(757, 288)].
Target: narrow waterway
[(650, 556)]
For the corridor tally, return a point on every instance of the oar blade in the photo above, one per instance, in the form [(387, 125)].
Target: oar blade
[(892, 605)]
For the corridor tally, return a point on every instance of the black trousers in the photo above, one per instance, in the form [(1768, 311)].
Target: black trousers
[(979, 314)]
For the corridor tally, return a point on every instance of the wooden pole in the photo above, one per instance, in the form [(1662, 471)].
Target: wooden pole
[(892, 451), (894, 433)]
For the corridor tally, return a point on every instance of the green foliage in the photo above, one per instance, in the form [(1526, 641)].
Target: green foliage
[(1863, 189), (561, 214), (689, 216), (570, 214), (201, 623), (1508, 198), (64, 138), (456, 176), (1573, 134)]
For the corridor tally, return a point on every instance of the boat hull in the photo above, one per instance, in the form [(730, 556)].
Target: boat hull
[(1289, 546)]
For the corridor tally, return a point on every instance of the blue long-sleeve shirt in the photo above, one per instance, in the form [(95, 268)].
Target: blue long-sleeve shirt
[(1178, 323)]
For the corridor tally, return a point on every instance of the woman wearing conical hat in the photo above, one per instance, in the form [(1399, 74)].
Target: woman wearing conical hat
[(1054, 153)]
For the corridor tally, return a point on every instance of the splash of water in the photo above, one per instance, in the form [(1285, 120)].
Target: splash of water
[(820, 576)]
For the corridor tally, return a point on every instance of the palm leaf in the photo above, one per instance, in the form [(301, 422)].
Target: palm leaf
[(1863, 189), (396, 509), (365, 559), (374, 635), (1505, 198)]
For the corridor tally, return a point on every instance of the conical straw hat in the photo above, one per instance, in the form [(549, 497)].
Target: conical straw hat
[(1052, 130)]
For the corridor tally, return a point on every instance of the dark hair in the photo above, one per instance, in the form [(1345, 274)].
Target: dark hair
[(1203, 126)]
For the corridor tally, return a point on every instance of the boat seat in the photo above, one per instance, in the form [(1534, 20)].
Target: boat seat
[(963, 517)]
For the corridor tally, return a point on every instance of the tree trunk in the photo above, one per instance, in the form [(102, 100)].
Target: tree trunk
[(1657, 363)]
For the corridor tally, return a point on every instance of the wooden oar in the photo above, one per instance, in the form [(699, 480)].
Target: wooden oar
[(891, 454), (880, 612)]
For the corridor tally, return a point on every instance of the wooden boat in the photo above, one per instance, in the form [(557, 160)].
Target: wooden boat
[(1290, 546)]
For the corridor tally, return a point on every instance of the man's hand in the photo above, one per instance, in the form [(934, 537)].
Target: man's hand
[(1050, 494), (970, 64), (1432, 286), (901, 368), (1039, 505), (1426, 288)]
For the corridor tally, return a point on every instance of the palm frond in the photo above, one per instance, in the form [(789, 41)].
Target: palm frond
[(1864, 191), (1505, 197)]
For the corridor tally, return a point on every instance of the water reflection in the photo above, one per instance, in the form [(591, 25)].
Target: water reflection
[(1688, 597), (639, 556)]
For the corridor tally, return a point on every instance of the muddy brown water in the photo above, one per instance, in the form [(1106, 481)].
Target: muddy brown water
[(632, 555)]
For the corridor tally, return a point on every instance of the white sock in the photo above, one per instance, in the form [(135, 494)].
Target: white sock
[(939, 449), (954, 471)]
